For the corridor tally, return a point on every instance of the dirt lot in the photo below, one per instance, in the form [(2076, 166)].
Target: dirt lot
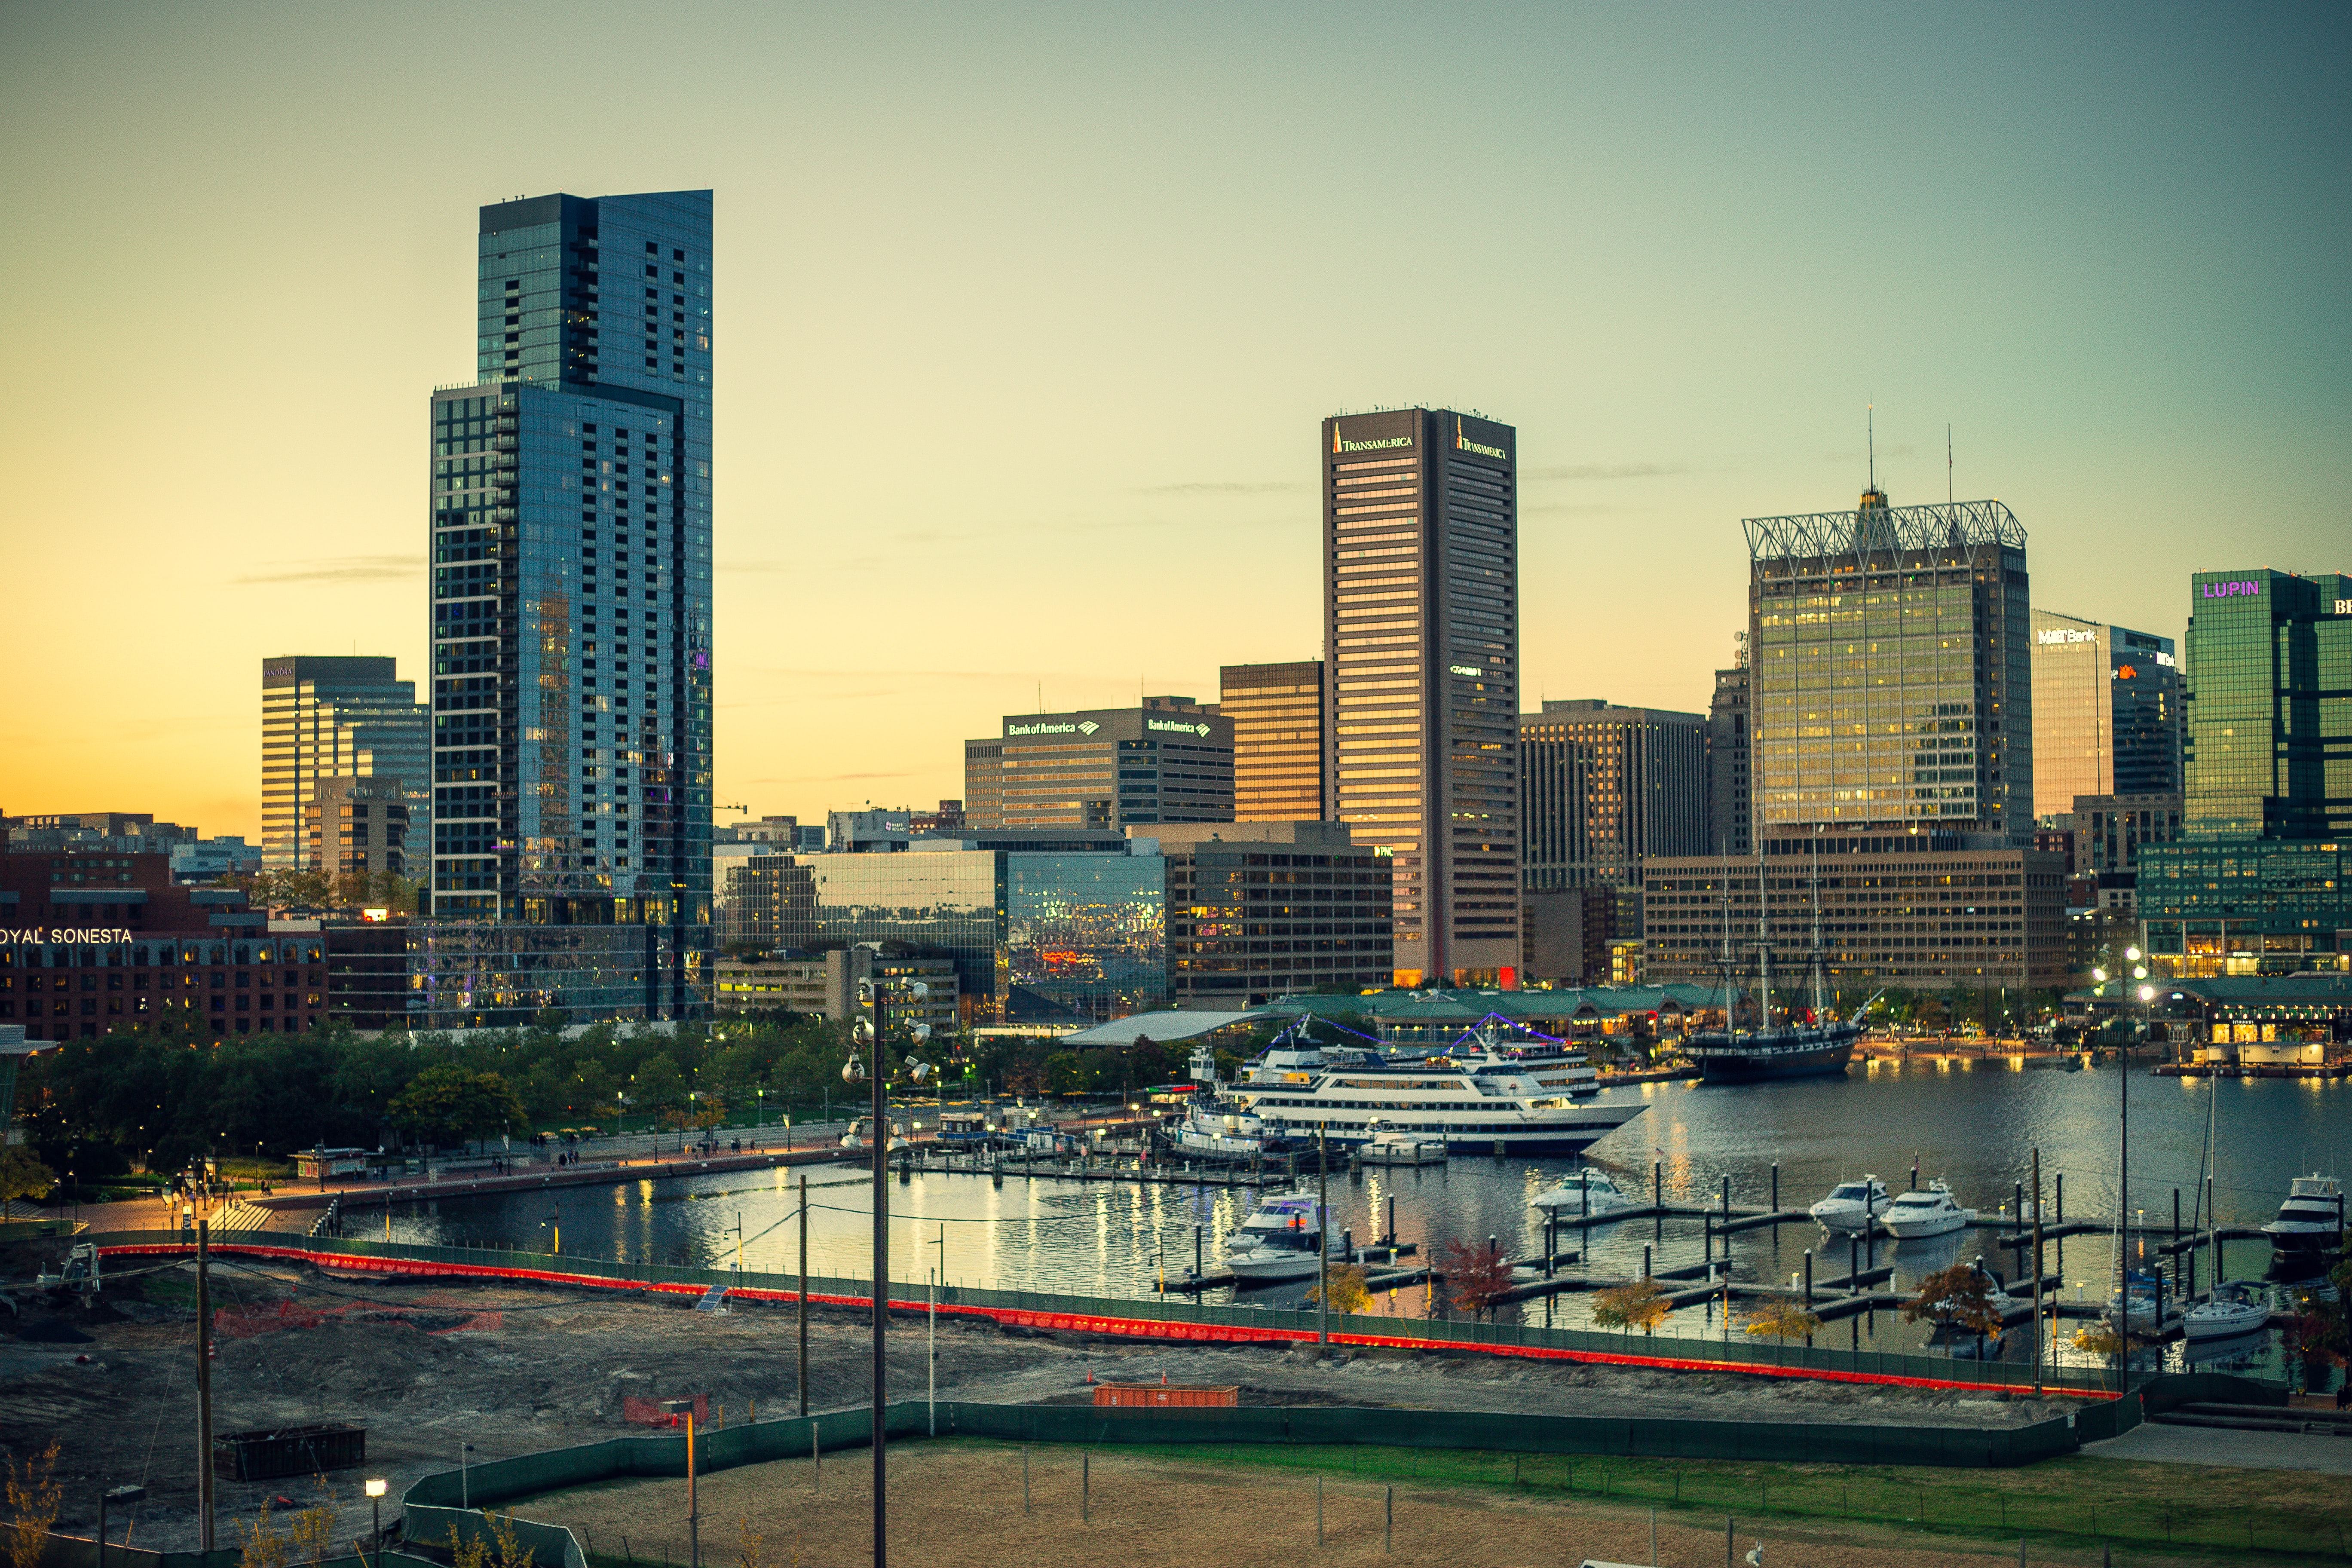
[(961, 1502), (514, 1370)]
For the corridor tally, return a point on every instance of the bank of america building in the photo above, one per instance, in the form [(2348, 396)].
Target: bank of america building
[(571, 524)]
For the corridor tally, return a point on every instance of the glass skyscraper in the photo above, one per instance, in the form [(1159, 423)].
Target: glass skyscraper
[(1420, 626), (2107, 712), (328, 717), (572, 609), (1277, 714), (1891, 681)]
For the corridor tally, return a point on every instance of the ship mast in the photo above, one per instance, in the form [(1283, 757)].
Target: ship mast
[(1817, 931), (1763, 952)]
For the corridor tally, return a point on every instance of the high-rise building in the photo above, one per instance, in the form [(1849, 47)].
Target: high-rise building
[(1603, 789), (1261, 910), (1171, 759), (1891, 672), (1893, 761), (1421, 628), (331, 717), (1277, 714), (2107, 712), (358, 827), (1730, 781), (571, 525), (2257, 883)]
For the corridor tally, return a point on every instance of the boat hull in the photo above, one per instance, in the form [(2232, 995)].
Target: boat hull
[(1920, 1229), (1737, 1064)]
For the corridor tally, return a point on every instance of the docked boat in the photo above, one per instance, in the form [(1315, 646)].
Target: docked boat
[(1589, 1195), (1816, 1045), (1267, 1265), (1931, 1212), (1278, 1218), (1396, 1146), (1215, 1128), (1480, 1095), (2308, 1233), (2139, 1304), (2233, 1309), (1851, 1205)]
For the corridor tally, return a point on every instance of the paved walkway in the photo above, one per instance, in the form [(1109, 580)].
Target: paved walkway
[(2230, 1450)]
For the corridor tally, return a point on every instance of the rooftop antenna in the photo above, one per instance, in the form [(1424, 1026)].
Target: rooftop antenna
[(1948, 465), (1870, 439)]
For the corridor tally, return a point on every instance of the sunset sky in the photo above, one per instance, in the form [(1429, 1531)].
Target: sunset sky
[(1026, 318)]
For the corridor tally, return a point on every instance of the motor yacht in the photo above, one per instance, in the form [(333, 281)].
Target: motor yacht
[(1264, 1265), (1851, 1205), (1931, 1212), (2139, 1304), (2233, 1309), (2309, 1230), (1278, 1218), (1589, 1194), (1401, 1146)]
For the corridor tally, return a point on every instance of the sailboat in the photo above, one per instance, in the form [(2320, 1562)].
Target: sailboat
[(2233, 1308), (1731, 1055)]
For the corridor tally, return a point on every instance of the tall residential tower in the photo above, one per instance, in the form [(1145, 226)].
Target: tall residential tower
[(1421, 628), (571, 614)]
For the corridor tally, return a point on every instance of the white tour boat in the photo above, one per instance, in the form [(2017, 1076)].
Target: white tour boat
[(1277, 1217), (1851, 1205), (1587, 1193), (2308, 1232), (1478, 1095), (1931, 1212)]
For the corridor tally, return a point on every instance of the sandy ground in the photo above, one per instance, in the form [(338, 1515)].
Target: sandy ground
[(513, 1370), (962, 1504)]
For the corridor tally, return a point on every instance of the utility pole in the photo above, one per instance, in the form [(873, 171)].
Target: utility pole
[(802, 1293), (2040, 1354), (1322, 1234), (880, 1083), (204, 1386)]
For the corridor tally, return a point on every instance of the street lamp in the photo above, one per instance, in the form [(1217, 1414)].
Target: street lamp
[(875, 993), (375, 1490)]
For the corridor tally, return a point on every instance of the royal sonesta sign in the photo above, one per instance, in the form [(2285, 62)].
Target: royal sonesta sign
[(91, 936)]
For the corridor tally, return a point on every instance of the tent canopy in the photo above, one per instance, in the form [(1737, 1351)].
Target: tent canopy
[(1164, 1028)]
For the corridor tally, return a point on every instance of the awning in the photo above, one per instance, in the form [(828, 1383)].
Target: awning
[(1164, 1028)]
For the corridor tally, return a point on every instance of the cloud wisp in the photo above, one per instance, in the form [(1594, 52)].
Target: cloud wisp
[(340, 569)]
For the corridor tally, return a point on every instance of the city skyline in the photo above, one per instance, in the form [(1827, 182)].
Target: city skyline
[(1723, 351)]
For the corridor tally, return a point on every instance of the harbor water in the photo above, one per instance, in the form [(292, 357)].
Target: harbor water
[(1971, 1122)]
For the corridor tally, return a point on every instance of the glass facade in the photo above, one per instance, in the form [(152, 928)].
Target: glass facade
[(2252, 907), (465, 974), (1085, 931), (572, 607), (1604, 788), (2270, 706), (325, 718), (2107, 712), (1277, 714), (1891, 679), (1422, 624)]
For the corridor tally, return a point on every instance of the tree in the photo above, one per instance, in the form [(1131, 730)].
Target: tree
[(22, 1176), (1348, 1293), (35, 1494), (1641, 1304), (1959, 1297), (1068, 1072), (1474, 1276), (448, 1104), (1781, 1317)]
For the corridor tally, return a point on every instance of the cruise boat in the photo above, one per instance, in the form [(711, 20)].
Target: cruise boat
[(1588, 1192), (1544, 1099), (2309, 1230), (1851, 1205), (1931, 1212), (2233, 1309)]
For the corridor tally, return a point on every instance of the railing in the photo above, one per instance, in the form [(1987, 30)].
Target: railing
[(1194, 1319)]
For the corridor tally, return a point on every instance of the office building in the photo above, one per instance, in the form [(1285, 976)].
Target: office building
[(207, 860), (571, 525), (1730, 781), (1169, 760), (1421, 629), (1277, 714), (1604, 789), (2256, 883), (1566, 936), (1261, 910), (1059, 925), (328, 717), (94, 944), (2107, 712), (1891, 673), (357, 826), (2110, 830), (1890, 915), (826, 983)]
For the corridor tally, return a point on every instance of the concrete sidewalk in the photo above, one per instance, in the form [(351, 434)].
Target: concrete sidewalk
[(2217, 1446)]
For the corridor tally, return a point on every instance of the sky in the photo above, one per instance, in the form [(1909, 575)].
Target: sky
[(1027, 318)]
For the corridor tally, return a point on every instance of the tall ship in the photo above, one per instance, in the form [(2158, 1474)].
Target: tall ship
[(1818, 1046), (1544, 1099)]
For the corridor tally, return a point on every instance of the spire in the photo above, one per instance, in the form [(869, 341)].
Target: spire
[(1874, 499)]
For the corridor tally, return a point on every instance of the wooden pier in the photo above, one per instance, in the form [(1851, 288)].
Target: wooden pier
[(1088, 1168)]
